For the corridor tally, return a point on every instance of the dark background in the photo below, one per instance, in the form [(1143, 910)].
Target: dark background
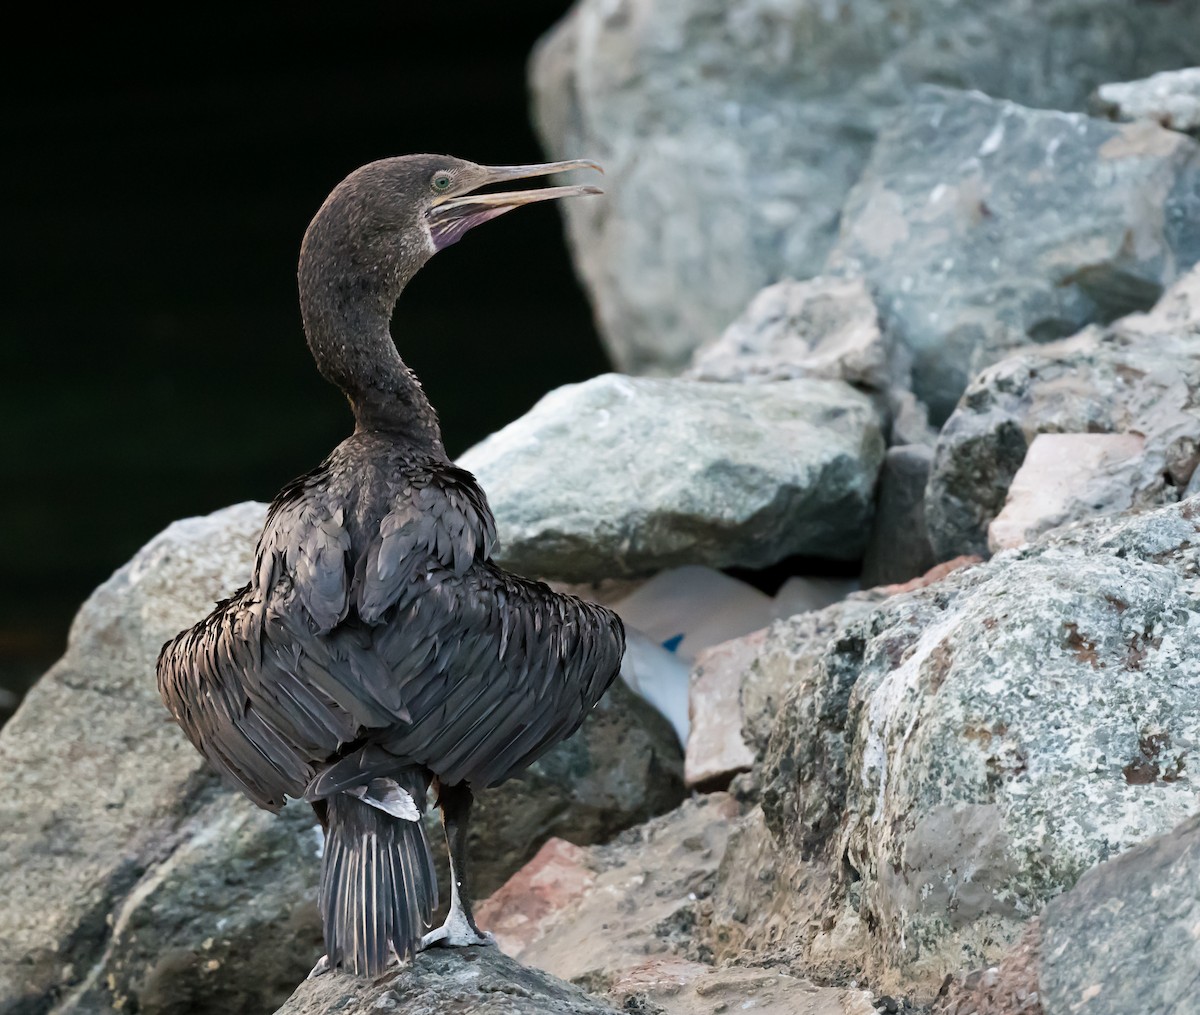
[(157, 183)]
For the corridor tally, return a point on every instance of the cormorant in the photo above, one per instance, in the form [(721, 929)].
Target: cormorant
[(377, 648)]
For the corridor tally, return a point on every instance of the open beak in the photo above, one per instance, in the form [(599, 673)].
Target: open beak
[(450, 217)]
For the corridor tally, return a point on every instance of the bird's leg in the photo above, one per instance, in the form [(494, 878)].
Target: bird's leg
[(459, 928)]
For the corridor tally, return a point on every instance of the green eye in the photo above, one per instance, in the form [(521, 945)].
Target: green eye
[(441, 181)]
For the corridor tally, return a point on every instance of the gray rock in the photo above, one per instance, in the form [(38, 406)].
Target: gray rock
[(982, 226), (620, 476), (106, 804), (1171, 99), (792, 648), (967, 751), (731, 132), (1137, 376), (480, 981), (1124, 938), (141, 883), (898, 548), (824, 327)]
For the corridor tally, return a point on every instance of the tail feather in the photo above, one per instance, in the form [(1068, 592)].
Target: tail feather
[(378, 883)]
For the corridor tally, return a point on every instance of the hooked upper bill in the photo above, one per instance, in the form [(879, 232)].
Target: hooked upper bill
[(451, 217)]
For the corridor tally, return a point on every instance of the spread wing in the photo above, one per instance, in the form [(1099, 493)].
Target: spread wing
[(494, 670), (212, 678), (404, 638)]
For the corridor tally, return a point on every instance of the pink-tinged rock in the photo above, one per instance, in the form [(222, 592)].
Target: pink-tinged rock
[(934, 574), (715, 748), (1066, 476), (676, 986), (518, 911)]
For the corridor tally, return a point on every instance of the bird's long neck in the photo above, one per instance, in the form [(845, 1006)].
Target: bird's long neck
[(347, 308)]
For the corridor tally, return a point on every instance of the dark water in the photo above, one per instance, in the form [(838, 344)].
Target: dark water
[(156, 193)]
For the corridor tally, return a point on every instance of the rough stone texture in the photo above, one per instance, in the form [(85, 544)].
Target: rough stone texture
[(620, 476), (1010, 987), (1124, 938), (715, 749), (1066, 476), (731, 132), (1137, 376), (1170, 98), (622, 767), (649, 885), (631, 932), (679, 987), (143, 884), (966, 751), (518, 911), (126, 852), (825, 327), (982, 226), (479, 981), (791, 647), (898, 548)]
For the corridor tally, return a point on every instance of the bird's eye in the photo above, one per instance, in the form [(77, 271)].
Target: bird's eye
[(441, 181)]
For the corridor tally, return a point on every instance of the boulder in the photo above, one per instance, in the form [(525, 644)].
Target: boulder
[(623, 476), (1136, 377), (981, 225), (965, 752), (144, 884), (1170, 98), (140, 881), (731, 132), (825, 327), (482, 981), (1122, 940)]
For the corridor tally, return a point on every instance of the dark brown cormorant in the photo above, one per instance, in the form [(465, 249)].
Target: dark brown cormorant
[(378, 649)]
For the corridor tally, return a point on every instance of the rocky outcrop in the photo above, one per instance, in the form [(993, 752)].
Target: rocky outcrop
[(1137, 377), (1170, 98), (965, 752), (731, 133), (1122, 940), (981, 226), (483, 981), (620, 476), (625, 925), (141, 883)]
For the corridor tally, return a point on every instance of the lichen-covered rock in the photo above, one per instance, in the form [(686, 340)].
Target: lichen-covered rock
[(1170, 98), (965, 752), (982, 226), (1124, 938), (620, 476), (1137, 376), (825, 327), (479, 981), (731, 132)]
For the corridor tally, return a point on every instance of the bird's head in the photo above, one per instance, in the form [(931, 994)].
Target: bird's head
[(400, 211)]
